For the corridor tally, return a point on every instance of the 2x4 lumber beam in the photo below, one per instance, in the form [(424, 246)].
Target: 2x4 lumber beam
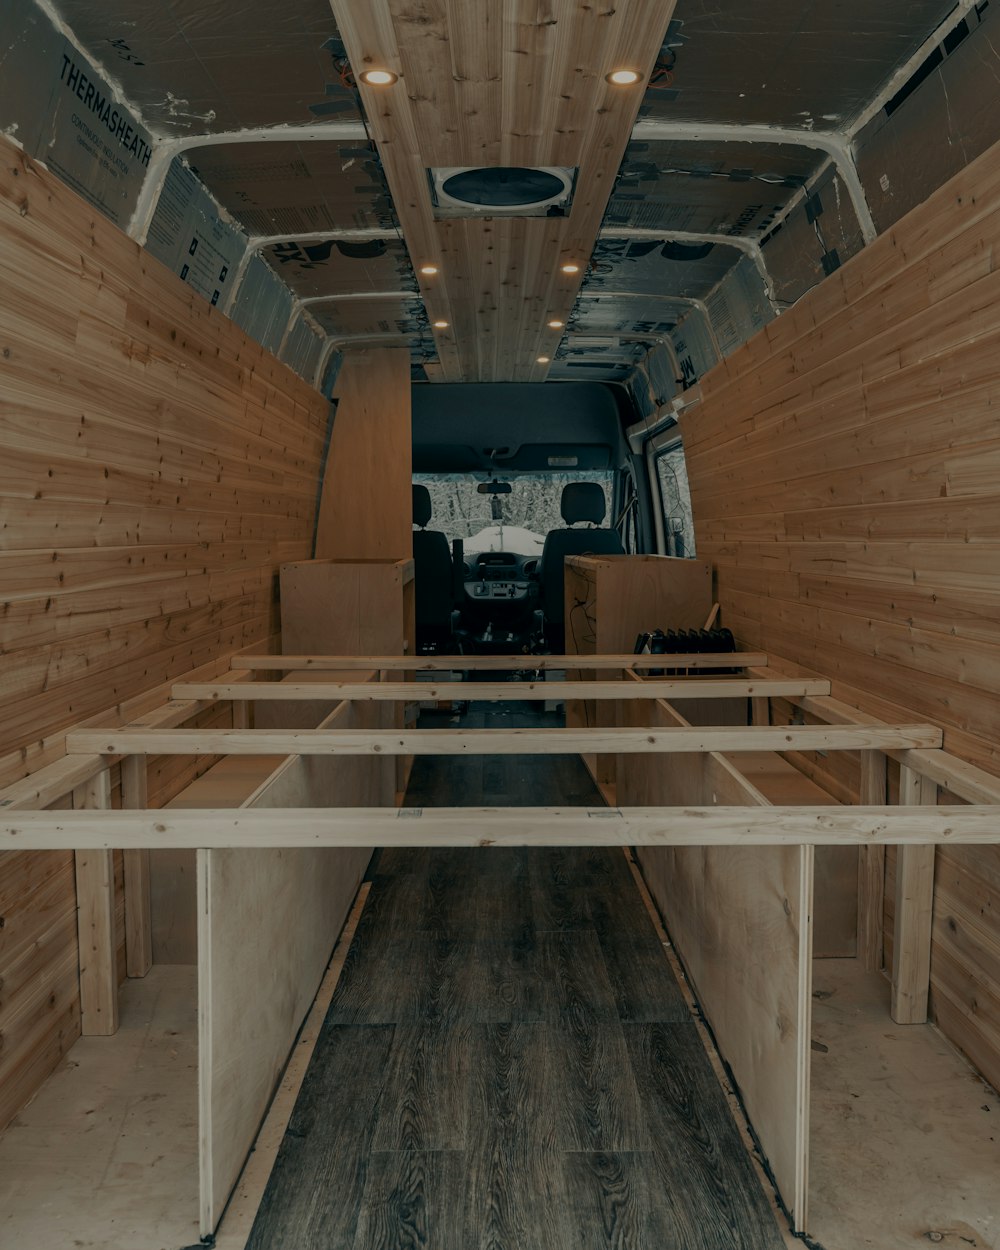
[(871, 866), (502, 691), (966, 781), (95, 915), (687, 740), (911, 947), (485, 826), (138, 905), (459, 663)]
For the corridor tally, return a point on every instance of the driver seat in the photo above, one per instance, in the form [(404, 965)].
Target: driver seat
[(432, 575), (581, 502)]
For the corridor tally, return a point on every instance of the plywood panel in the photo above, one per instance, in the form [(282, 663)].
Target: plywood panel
[(156, 466), (843, 470), (740, 920), (267, 923), (366, 510)]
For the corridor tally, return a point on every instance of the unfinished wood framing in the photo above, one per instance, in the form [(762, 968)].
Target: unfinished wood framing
[(95, 901), (871, 870), (519, 662), (502, 692), (485, 826), (138, 918), (670, 739), (911, 948)]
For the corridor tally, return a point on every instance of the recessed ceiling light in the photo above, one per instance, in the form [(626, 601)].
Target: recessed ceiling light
[(379, 77), (440, 325), (570, 267), (428, 269), (543, 360), (556, 324), (622, 77)]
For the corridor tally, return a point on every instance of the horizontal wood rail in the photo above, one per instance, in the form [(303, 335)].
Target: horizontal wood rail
[(499, 741), (966, 781), (485, 827), (459, 663), (505, 691)]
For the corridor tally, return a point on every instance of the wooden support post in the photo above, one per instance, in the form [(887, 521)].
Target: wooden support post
[(760, 710), (138, 919), (911, 950), (871, 866), (95, 902), (241, 715)]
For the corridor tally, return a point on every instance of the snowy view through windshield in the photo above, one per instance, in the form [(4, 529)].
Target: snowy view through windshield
[(528, 512)]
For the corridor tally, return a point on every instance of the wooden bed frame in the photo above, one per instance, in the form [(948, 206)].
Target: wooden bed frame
[(731, 871)]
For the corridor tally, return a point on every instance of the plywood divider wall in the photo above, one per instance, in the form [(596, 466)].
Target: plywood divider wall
[(740, 920), (844, 467), (267, 923), (366, 511), (156, 466)]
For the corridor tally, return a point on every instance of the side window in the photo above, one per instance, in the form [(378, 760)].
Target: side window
[(675, 500)]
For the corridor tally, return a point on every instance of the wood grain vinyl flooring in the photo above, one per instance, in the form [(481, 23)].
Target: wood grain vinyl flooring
[(508, 1062)]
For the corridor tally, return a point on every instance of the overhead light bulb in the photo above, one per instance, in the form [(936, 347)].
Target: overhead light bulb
[(570, 267), (622, 77), (556, 324), (428, 269), (379, 77), (440, 325), (543, 360)]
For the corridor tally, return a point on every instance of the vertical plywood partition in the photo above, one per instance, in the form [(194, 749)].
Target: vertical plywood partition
[(365, 510), (740, 920), (267, 923)]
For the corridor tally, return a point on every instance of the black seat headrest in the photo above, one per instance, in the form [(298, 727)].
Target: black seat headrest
[(421, 505), (582, 501)]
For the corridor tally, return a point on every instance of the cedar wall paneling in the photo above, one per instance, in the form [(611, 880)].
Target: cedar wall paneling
[(156, 466), (845, 475)]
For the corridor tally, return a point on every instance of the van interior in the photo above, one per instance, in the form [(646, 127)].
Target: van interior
[(499, 597)]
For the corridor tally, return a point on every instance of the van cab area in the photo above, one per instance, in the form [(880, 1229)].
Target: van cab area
[(499, 648)]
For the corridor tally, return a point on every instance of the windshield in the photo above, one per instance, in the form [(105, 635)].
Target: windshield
[(525, 515)]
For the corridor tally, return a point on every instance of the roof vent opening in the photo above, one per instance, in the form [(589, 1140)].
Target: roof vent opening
[(502, 191)]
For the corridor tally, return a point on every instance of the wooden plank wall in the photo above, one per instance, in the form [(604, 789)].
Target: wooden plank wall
[(156, 466), (845, 475)]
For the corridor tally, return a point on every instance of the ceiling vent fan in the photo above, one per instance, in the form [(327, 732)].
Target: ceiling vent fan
[(502, 191)]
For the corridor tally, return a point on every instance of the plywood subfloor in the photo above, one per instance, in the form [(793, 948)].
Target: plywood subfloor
[(905, 1135), (508, 1060), (106, 1155)]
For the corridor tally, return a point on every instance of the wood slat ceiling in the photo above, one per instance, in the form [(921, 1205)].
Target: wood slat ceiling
[(520, 83)]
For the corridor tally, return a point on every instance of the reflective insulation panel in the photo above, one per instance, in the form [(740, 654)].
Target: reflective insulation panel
[(377, 317), (796, 63), (342, 266), (296, 188), (815, 239), (738, 307), (303, 348), (652, 266), (191, 67), (263, 305), (708, 187), (949, 118)]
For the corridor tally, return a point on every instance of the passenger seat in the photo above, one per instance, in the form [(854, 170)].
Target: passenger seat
[(581, 502)]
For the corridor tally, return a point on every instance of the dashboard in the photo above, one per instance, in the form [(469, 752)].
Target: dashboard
[(497, 576)]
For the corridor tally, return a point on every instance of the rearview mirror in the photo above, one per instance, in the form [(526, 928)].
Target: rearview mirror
[(494, 488)]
